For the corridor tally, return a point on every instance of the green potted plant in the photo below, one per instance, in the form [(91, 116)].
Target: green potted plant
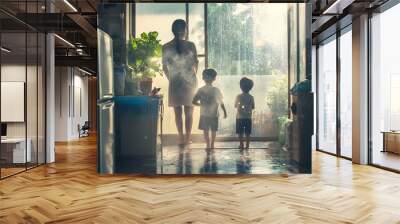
[(277, 96), (144, 53), (277, 101)]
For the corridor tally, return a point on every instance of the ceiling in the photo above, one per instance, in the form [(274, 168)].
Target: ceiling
[(75, 21)]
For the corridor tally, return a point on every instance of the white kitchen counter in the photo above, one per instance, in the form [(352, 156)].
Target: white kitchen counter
[(19, 153)]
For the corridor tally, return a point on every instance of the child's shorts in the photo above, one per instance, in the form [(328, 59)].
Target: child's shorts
[(243, 126), (207, 123)]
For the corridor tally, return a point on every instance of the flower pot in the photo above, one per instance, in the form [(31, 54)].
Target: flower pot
[(145, 86), (131, 86)]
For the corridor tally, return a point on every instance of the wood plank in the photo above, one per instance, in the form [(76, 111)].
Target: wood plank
[(70, 191)]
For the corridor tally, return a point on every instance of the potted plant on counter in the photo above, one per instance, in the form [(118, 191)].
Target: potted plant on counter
[(144, 60)]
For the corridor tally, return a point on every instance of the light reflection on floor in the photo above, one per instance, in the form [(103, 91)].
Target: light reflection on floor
[(226, 158), (386, 159)]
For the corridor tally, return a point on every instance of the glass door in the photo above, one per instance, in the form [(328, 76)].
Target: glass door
[(15, 149), (346, 93), (385, 89), (327, 92)]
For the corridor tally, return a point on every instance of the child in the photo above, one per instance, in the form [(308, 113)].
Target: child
[(209, 98), (244, 104)]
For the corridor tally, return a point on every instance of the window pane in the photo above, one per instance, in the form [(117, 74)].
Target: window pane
[(385, 84), (13, 84), (159, 17), (41, 99), (292, 43), (346, 94), (240, 44), (314, 90), (32, 97), (196, 26), (327, 96)]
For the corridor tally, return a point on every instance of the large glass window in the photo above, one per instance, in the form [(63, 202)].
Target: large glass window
[(232, 38), (252, 51), (159, 17), (327, 96), (22, 93), (335, 53), (346, 93), (385, 87), (15, 149)]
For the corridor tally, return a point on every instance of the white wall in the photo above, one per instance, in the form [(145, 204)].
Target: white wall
[(12, 73), (33, 126), (62, 82), (71, 102), (15, 73)]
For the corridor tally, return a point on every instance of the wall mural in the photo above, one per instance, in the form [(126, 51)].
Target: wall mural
[(205, 88)]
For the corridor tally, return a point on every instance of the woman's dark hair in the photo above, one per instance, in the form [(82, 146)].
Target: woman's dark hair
[(178, 26), (246, 84)]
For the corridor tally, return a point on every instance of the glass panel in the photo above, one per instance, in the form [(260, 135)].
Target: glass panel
[(327, 96), (159, 17), (252, 51), (385, 84), (32, 98), (23, 92), (346, 94), (301, 41), (314, 90), (13, 87), (196, 26), (32, 87), (292, 43), (41, 99)]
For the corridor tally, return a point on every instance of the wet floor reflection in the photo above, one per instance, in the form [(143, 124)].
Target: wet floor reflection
[(243, 164), (210, 164), (226, 158)]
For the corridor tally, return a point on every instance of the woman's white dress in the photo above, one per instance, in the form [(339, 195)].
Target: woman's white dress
[(182, 76)]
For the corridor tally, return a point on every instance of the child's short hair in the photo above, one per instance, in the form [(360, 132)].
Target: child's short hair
[(209, 74), (246, 84)]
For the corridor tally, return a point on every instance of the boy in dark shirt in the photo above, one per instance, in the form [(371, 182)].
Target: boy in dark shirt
[(244, 104)]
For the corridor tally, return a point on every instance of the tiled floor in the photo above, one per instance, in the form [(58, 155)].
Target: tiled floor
[(226, 158)]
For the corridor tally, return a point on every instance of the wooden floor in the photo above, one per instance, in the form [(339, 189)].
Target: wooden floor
[(386, 159), (70, 191)]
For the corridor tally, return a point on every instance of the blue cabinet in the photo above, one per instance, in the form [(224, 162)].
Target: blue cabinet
[(137, 134)]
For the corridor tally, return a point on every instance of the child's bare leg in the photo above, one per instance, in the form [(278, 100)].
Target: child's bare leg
[(240, 141), (247, 141), (213, 135), (207, 138)]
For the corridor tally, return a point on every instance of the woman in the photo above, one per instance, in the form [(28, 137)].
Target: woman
[(180, 65)]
